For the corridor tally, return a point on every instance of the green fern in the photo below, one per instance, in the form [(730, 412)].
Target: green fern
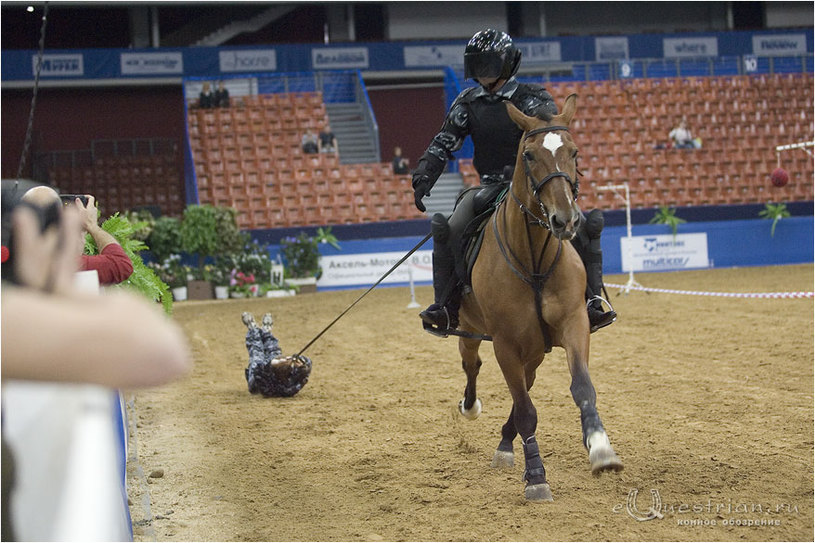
[(143, 279)]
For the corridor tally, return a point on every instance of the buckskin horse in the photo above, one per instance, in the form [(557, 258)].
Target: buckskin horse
[(528, 285)]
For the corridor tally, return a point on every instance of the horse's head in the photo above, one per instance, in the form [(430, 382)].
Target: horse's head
[(547, 159)]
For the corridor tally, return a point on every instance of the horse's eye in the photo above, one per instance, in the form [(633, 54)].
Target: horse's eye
[(529, 156), (574, 155)]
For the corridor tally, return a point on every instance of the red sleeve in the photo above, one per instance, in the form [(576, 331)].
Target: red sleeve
[(112, 264)]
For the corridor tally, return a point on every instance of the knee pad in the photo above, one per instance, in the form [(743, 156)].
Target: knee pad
[(594, 224), (440, 228)]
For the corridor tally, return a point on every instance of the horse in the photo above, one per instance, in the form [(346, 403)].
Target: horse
[(527, 292)]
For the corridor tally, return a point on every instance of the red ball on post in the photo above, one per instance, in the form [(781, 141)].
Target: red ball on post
[(779, 177)]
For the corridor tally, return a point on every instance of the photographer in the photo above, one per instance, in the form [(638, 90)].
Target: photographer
[(112, 263), (55, 333)]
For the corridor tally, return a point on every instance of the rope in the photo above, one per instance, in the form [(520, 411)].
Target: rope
[(347, 309), (29, 131), (719, 294)]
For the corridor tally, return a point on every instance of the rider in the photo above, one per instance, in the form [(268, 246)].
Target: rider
[(492, 60)]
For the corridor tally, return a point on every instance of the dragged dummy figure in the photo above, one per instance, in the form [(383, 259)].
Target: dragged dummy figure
[(269, 372)]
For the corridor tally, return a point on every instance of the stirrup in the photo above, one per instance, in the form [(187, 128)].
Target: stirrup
[(611, 315), (434, 327)]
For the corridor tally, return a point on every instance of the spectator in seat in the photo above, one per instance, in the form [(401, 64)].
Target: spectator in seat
[(681, 136), (327, 141), (221, 96), (206, 99), (401, 165), (310, 143), (112, 263)]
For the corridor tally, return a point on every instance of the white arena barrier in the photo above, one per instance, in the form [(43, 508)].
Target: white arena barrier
[(69, 448)]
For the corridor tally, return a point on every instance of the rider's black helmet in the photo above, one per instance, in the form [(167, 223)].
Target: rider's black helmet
[(490, 53)]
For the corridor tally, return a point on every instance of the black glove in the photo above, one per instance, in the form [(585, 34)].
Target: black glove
[(421, 188)]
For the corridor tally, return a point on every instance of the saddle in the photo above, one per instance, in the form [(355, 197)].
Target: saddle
[(485, 203)]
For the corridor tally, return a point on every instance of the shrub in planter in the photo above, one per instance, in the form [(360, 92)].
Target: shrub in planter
[(165, 239)]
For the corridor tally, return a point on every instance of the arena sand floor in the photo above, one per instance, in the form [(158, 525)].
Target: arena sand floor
[(708, 401)]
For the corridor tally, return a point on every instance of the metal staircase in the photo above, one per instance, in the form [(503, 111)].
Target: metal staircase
[(254, 24), (443, 196), (356, 137)]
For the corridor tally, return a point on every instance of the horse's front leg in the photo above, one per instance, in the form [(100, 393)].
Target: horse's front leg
[(601, 454), (470, 405), (525, 417), (504, 456)]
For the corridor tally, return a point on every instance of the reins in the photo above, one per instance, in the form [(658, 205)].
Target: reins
[(534, 277)]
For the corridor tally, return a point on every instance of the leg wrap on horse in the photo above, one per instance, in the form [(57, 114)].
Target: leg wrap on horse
[(589, 421), (534, 464)]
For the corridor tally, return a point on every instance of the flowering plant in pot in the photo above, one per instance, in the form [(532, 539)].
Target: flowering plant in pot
[(242, 285)]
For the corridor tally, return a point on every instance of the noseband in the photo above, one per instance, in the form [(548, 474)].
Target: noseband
[(537, 185)]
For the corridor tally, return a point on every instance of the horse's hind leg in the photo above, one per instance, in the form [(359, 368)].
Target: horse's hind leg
[(601, 454), (470, 405)]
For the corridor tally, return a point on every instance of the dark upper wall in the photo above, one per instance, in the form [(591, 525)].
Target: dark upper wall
[(68, 119), (76, 26)]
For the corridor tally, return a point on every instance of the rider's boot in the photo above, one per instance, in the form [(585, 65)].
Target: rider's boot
[(598, 316), (443, 313), (592, 255)]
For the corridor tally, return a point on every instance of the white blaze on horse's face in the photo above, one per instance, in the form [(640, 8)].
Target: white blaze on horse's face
[(552, 142)]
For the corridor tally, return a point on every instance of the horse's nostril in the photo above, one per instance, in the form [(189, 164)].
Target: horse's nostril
[(557, 223)]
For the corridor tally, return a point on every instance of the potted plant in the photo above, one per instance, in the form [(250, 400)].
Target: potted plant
[(667, 215), (301, 254), (774, 212), (172, 272), (165, 239), (242, 285), (219, 274), (199, 237)]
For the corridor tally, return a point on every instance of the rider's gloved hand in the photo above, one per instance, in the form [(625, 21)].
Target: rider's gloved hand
[(421, 188)]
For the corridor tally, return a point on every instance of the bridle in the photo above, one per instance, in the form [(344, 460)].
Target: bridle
[(536, 278), (537, 185)]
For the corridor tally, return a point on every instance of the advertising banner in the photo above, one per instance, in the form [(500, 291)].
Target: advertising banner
[(366, 269), (335, 58), (170, 62), (664, 252), (779, 44), (690, 47), (610, 48), (544, 51), (421, 56), (59, 65), (242, 60)]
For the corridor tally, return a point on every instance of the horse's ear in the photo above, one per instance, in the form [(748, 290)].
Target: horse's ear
[(523, 121), (569, 107)]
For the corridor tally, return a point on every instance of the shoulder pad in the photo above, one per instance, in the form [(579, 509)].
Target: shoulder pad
[(534, 100), (466, 96)]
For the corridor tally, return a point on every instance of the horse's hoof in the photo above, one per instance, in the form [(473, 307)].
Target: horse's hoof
[(503, 459), (538, 493), (604, 459), (473, 412)]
